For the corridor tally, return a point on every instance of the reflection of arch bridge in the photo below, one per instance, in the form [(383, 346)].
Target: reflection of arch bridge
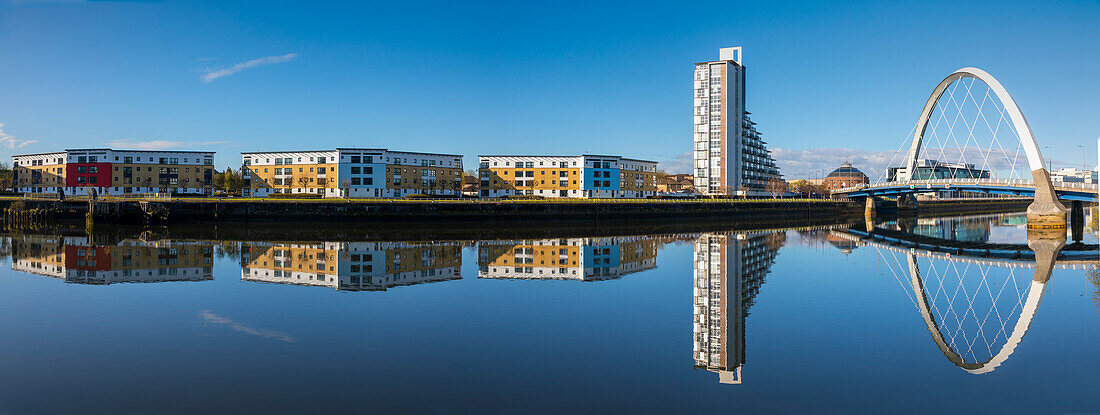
[(1076, 256), (957, 279), (907, 182)]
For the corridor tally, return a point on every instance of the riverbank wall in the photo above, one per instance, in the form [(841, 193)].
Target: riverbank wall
[(134, 212), (236, 211)]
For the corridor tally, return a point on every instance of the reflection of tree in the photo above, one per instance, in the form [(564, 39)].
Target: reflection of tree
[(1094, 277)]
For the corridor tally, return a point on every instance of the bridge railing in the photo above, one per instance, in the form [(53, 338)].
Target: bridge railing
[(960, 182)]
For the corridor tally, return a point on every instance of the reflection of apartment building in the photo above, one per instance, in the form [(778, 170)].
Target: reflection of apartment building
[(352, 266), (583, 259), (567, 176), (729, 271), (347, 172), (106, 171), (75, 260)]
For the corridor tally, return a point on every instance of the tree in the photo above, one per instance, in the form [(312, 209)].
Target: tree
[(346, 185), (775, 186), (304, 182), (7, 177), (229, 181)]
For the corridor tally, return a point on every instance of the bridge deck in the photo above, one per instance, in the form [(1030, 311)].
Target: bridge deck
[(1066, 191)]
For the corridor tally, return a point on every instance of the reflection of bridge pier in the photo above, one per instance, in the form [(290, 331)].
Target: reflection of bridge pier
[(1077, 220)]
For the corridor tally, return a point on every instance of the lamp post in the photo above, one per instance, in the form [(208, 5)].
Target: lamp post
[(1050, 161)]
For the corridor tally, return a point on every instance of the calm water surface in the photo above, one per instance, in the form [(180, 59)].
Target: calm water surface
[(928, 315)]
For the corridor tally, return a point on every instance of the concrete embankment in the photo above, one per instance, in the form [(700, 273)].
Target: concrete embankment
[(476, 212), (196, 211)]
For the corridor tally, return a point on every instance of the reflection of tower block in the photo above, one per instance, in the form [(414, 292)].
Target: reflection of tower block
[(729, 270), (730, 377)]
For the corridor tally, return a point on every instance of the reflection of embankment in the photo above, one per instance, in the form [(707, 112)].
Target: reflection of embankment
[(458, 231)]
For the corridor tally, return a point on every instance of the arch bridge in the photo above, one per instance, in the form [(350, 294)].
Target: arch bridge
[(904, 182)]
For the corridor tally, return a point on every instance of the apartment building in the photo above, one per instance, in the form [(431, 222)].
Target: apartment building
[(352, 266), (348, 172), (580, 259), (584, 176), (114, 172), (731, 157), (77, 260)]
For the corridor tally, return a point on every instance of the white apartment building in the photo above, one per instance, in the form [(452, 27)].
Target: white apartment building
[(351, 172), (584, 176), (730, 156)]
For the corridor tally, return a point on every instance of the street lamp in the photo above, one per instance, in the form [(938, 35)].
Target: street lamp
[(1050, 161)]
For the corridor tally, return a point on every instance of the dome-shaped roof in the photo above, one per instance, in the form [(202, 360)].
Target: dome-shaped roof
[(846, 170)]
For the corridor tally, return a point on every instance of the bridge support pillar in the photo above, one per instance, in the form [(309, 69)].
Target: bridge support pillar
[(1046, 212), (869, 206), (907, 203)]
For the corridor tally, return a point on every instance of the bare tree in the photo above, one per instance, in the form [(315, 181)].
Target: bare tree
[(346, 185), (775, 187)]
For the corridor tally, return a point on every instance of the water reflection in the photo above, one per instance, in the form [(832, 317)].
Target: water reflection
[(729, 271), (581, 259), (352, 266), (973, 281), (978, 299), (79, 260)]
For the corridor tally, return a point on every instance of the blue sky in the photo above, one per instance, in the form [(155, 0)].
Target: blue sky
[(826, 81)]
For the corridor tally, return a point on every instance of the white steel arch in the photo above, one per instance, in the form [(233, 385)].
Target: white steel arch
[(1023, 129)]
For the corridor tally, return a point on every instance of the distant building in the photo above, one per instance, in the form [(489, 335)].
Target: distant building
[(845, 176), (932, 169), (351, 172), (676, 183), (1073, 175), (584, 176), (114, 172), (730, 156), (470, 186)]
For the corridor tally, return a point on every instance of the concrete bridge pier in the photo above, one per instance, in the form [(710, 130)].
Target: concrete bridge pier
[(869, 207), (907, 203), (1046, 212), (1077, 220)]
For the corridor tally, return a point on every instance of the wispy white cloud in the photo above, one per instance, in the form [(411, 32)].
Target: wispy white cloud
[(814, 162), (10, 141), (211, 75), (160, 144), (212, 318), (798, 164), (681, 163)]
